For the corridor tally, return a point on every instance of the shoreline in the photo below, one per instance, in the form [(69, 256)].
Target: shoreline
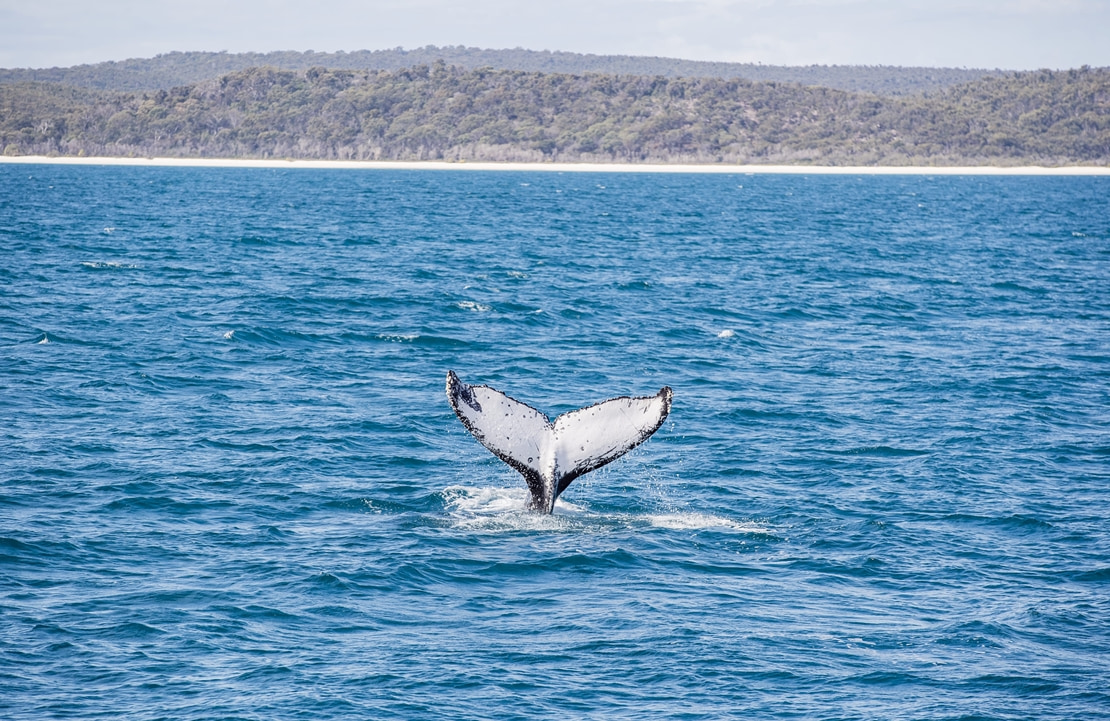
[(561, 167)]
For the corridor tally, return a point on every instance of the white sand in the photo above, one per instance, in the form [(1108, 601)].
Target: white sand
[(567, 167)]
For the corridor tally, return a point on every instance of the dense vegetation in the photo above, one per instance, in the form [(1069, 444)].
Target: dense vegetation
[(174, 69), (444, 112)]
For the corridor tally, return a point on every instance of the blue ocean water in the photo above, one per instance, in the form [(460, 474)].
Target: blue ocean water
[(231, 486)]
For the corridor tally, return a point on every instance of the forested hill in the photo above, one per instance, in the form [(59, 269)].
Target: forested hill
[(444, 112), (186, 68)]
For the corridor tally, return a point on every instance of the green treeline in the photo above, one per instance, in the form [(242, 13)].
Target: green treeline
[(450, 113)]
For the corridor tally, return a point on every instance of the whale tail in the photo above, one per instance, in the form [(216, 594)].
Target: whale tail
[(551, 454)]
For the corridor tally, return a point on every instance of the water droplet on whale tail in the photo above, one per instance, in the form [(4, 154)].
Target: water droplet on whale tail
[(551, 454)]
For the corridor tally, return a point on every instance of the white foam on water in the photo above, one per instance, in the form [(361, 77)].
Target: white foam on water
[(44, 340), (726, 334), (498, 509), (108, 264), (701, 521), (485, 501), (474, 306), (229, 335)]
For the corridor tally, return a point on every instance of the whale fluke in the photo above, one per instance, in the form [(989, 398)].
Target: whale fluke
[(552, 454)]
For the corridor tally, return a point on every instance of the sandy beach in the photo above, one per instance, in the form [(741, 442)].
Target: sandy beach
[(561, 167)]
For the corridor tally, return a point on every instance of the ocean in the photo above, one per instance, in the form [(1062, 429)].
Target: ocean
[(232, 487)]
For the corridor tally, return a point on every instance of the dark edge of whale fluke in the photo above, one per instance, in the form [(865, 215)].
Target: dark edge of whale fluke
[(551, 454)]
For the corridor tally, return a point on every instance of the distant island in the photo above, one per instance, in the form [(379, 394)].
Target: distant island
[(575, 108), (171, 70)]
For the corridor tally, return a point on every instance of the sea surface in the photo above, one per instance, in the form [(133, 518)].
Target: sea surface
[(231, 486)]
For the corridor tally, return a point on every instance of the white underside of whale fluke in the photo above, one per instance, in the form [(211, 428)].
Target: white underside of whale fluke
[(551, 454)]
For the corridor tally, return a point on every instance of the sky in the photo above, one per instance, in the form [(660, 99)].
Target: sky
[(1007, 34)]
